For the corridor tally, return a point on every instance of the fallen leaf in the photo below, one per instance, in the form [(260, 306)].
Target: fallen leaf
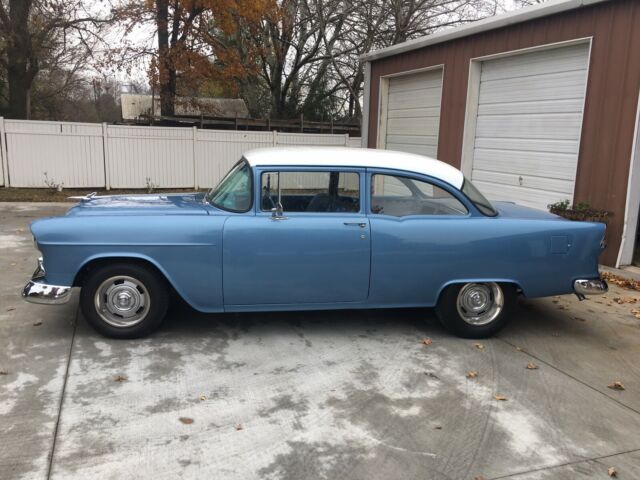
[(13, 264), (623, 300), (531, 366), (186, 420), (635, 312), (612, 472), (562, 307), (427, 341), (616, 385), (120, 378), (37, 323), (472, 374), (500, 398), (203, 398), (3, 372), (11, 309), (438, 427), (479, 346), (239, 427), (519, 349), (621, 282)]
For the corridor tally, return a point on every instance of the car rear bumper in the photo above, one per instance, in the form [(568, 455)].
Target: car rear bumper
[(592, 286), (36, 291)]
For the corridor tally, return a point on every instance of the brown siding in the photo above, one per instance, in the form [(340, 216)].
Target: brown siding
[(611, 102)]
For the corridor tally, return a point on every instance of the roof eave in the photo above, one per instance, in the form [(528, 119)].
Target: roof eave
[(491, 23)]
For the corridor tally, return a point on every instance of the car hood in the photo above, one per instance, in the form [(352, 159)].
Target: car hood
[(512, 210), (154, 204)]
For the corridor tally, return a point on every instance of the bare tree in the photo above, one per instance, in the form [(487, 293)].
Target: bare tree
[(36, 33), (310, 49)]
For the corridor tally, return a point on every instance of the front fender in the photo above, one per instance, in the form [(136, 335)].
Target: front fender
[(186, 250)]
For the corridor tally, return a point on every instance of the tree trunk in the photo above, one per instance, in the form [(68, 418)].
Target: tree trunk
[(21, 65), (166, 70)]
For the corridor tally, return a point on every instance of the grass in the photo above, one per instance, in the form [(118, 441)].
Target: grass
[(11, 194)]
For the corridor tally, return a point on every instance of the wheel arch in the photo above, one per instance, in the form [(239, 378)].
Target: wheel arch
[(463, 281), (97, 261)]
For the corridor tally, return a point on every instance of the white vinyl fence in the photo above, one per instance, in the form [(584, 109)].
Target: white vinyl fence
[(87, 155)]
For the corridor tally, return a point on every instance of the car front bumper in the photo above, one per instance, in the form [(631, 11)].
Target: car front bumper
[(593, 286), (36, 291)]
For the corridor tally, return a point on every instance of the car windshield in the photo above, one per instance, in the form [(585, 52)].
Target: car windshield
[(234, 192), (479, 200)]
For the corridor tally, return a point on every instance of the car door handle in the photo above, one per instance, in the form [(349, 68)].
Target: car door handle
[(355, 224)]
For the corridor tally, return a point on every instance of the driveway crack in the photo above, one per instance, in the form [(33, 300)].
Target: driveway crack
[(62, 394), (582, 382), (575, 462)]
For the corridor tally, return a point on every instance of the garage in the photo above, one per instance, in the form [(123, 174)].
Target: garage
[(412, 112), (528, 123), (535, 106)]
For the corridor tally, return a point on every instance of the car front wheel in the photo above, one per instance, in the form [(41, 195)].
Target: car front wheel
[(476, 310), (124, 300)]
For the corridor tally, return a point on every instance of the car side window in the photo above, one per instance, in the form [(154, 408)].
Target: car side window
[(400, 196), (326, 191)]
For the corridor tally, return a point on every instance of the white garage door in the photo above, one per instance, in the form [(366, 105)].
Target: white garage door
[(528, 125), (413, 112)]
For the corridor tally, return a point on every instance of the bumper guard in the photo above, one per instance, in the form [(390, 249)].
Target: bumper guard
[(594, 286), (36, 291)]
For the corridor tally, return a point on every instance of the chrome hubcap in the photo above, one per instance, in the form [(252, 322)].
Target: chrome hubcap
[(480, 303), (122, 301)]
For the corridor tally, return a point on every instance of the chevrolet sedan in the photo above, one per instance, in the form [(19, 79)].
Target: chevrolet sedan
[(313, 228)]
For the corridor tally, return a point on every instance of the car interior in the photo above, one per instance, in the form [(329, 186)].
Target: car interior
[(333, 198)]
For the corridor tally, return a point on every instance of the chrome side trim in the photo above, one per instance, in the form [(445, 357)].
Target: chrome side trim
[(36, 291), (592, 286)]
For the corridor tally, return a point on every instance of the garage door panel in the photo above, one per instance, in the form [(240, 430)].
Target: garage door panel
[(559, 166), (528, 125), (413, 112), (412, 126), (528, 181), (548, 87), (552, 126), (431, 140), (572, 105), (536, 63), (528, 197), (420, 98), (428, 150), (430, 79), (532, 146)]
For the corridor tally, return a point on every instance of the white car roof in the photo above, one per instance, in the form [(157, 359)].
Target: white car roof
[(355, 157)]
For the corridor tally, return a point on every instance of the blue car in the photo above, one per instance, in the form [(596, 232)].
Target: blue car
[(313, 228)]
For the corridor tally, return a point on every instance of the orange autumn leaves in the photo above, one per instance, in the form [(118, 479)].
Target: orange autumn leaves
[(203, 49)]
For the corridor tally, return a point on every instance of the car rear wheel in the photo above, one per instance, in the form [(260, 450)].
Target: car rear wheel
[(124, 300), (476, 310)]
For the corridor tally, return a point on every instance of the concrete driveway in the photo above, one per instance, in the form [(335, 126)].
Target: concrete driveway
[(348, 395)]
